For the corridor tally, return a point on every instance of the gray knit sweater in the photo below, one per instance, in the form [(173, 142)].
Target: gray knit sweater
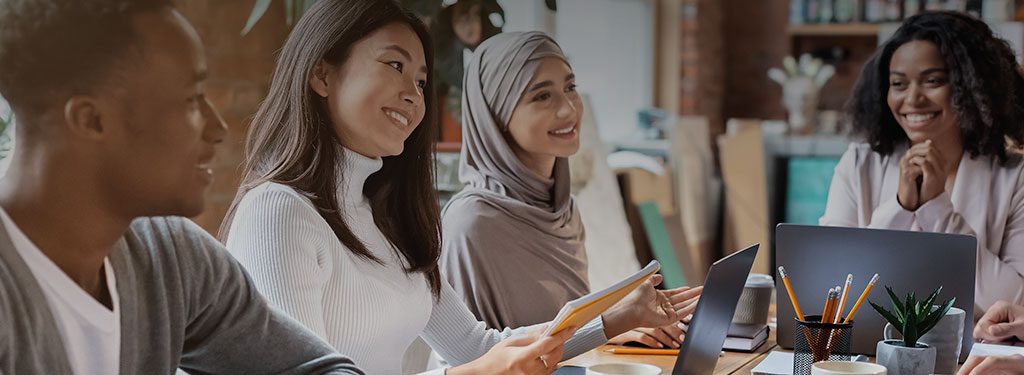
[(184, 303)]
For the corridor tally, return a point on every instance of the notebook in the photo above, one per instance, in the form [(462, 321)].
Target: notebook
[(584, 309), (745, 337)]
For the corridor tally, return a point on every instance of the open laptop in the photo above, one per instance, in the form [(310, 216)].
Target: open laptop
[(710, 324), (817, 258)]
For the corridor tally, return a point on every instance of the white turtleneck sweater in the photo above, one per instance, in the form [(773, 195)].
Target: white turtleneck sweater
[(370, 312)]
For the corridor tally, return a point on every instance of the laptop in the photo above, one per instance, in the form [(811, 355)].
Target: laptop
[(711, 320), (817, 258)]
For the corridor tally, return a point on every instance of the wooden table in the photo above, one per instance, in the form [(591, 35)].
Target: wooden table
[(728, 363)]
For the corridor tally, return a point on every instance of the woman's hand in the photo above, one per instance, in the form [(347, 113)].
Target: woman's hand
[(908, 192), (523, 354), (670, 336), (935, 170), (647, 307), (1001, 322), (1004, 365)]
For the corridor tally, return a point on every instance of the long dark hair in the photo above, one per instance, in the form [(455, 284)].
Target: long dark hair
[(291, 140), (986, 82)]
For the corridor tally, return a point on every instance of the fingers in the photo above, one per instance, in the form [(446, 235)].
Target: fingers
[(637, 336), (548, 344), (683, 294), (970, 365), (1013, 364), (551, 359), (675, 332), (686, 307), (656, 279)]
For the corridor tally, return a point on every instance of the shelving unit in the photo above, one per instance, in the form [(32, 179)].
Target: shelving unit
[(847, 29)]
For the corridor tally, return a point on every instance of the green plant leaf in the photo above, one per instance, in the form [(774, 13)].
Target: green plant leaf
[(258, 10), (931, 299), (909, 331), (939, 314), (897, 308), (909, 306), (896, 322)]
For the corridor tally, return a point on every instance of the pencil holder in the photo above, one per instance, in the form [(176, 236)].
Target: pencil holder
[(815, 342)]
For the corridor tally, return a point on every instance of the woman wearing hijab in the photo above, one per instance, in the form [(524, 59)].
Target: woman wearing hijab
[(337, 220), (513, 238)]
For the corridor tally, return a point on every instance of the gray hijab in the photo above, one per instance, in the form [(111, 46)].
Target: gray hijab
[(513, 241)]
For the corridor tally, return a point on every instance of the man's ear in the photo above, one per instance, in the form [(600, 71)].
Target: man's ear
[(82, 117), (318, 78)]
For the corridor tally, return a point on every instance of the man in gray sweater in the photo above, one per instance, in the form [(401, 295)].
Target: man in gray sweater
[(113, 130)]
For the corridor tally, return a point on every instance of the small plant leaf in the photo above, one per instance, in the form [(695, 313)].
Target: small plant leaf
[(895, 303), (909, 306), (939, 314), (898, 323), (910, 330), (257, 12), (931, 299)]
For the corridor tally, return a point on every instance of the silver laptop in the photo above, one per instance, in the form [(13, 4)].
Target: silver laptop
[(817, 258), (710, 324)]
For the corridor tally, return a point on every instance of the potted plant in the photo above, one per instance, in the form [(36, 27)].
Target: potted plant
[(912, 319)]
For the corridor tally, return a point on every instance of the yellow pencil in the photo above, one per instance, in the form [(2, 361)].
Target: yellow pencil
[(643, 351), (842, 301), (863, 296), (792, 297)]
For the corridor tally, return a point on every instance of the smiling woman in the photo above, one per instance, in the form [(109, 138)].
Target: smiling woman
[(337, 219), (941, 105)]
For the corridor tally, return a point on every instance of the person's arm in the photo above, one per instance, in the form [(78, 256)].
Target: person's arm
[(1004, 365), (231, 328), (998, 277), (460, 338), (274, 237), (845, 197)]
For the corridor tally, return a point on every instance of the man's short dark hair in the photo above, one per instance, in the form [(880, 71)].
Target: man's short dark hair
[(51, 49)]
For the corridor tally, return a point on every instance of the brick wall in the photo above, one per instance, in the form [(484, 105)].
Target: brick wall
[(756, 40), (240, 70), (701, 61)]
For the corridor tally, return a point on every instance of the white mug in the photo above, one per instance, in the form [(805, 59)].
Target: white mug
[(623, 369), (847, 368)]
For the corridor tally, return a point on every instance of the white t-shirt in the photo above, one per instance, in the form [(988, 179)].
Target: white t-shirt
[(91, 332)]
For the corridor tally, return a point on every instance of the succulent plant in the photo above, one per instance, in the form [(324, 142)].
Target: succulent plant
[(911, 317)]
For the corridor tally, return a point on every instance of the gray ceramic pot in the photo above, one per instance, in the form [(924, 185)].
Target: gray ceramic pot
[(901, 360)]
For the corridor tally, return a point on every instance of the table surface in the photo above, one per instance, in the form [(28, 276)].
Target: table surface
[(728, 363)]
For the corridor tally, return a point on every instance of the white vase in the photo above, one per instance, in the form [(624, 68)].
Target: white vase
[(901, 360)]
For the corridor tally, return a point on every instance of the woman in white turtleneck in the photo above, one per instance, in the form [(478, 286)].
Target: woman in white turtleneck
[(337, 221)]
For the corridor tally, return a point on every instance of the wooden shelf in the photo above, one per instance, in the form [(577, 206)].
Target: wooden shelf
[(835, 29)]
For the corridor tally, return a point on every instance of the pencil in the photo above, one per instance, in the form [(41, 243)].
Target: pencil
[(789, 290), (643, 351), (842, 301), (863, 296), (831, 303)]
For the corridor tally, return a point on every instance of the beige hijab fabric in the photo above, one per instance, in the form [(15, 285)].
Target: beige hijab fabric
[(513, 241)]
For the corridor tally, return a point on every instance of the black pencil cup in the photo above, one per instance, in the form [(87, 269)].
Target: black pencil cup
[(815, 342)]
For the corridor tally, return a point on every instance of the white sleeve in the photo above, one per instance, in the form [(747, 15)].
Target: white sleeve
[(845, 196), (998, 277), (274, 237), (460, 338)]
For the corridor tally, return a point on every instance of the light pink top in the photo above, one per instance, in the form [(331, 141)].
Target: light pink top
[(987, 202)]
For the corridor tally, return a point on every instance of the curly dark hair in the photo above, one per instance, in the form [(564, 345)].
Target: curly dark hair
[(51, 49), (986, 81)]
